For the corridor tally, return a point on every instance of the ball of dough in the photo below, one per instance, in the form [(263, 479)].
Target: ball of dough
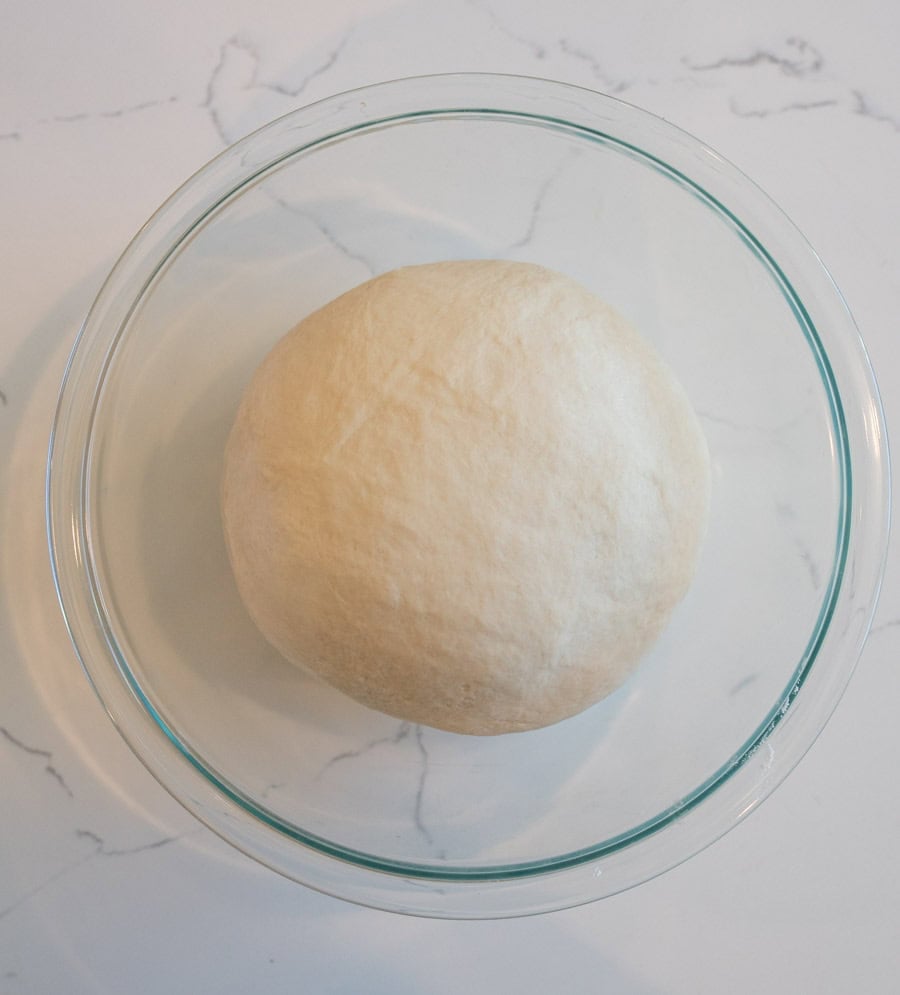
[(467, 494)]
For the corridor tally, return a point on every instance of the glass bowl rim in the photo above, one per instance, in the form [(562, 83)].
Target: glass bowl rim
[(68, 507)]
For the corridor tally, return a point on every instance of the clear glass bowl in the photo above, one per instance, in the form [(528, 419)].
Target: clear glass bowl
[(350, 801)]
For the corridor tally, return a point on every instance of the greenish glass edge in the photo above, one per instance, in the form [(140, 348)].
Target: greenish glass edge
[(772, 720)]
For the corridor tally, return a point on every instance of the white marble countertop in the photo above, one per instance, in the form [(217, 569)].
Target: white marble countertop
[(106, 884)]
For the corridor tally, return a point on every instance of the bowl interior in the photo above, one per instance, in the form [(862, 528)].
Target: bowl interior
[(423, 188)]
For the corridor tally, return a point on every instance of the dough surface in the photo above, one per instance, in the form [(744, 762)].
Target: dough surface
[(467, 494)]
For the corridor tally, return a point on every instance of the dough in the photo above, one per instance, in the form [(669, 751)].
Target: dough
[(467, 494)]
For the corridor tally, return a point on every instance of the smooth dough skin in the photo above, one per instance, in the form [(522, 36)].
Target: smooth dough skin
[(467, 494)]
